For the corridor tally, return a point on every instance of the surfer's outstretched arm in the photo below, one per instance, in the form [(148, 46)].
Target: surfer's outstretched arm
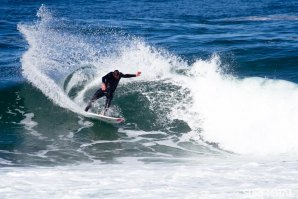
[(130, 75)]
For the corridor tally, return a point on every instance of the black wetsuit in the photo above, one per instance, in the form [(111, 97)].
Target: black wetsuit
[(111, 84)]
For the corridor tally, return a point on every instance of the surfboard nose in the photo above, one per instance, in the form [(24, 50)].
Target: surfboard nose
[(120, 120)]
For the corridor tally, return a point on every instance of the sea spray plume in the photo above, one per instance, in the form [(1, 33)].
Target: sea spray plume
[(49, 58), (55, 52), (44, 13)]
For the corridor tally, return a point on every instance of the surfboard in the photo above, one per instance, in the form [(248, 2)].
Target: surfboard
[(104, 118)]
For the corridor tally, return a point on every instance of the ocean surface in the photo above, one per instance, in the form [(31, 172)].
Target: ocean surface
[(213, 115)]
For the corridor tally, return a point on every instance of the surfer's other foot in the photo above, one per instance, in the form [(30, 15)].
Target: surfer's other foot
[(87, 108)]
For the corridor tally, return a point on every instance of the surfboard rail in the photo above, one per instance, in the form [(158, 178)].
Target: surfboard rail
[(104, 118)]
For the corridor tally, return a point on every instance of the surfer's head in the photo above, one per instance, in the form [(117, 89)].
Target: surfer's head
[(116, 74)]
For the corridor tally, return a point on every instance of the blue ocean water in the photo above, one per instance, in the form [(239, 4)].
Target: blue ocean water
[(213, 114), (257, 37)]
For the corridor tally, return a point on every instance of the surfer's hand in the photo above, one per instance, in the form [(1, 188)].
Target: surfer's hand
[(103, 87), (138, 74)]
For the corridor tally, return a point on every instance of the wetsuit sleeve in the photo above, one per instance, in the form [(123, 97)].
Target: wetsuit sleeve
[(128, 75)]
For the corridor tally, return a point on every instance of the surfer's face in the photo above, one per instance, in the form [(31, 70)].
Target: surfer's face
[(116, 75)]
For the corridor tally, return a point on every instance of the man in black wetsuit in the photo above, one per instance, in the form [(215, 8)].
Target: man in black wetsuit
[(109, 84)]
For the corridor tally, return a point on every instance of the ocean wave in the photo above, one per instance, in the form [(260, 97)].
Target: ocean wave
[(199, 100)]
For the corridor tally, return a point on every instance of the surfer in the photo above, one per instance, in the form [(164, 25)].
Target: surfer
[(109, 84)]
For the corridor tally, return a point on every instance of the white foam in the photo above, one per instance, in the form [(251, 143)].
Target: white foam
[(5, 162), (134, 133), (250, 115), (29, 124), (207, 178)]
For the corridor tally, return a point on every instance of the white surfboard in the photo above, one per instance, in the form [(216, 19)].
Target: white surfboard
[(104, 118)]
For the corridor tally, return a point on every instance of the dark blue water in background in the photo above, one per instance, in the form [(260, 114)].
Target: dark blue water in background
[(256, 38)]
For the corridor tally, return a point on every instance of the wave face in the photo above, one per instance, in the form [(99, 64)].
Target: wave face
[(200, 101)]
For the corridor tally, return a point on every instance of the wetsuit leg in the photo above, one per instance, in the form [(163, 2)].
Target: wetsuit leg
[(108, 101), (98, 94)]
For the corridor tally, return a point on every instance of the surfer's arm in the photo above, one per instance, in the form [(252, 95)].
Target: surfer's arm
[(105, 81), (130, 75)]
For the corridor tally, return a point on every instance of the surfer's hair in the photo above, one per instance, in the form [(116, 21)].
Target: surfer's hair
[(116, 72)]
